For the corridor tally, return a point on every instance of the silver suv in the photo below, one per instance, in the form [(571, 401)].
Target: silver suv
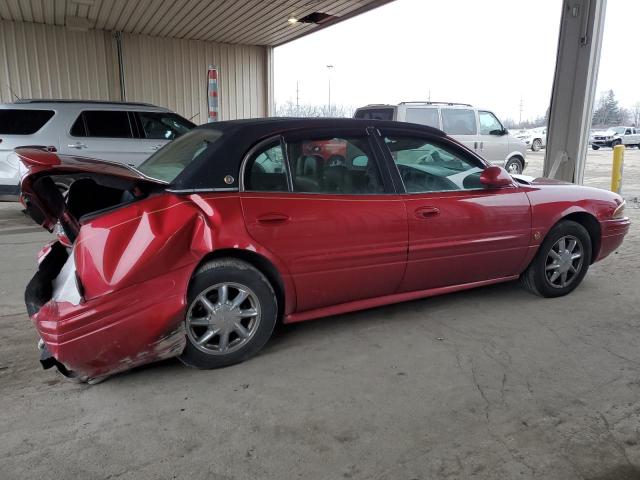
[(478, 129), (120, 132)]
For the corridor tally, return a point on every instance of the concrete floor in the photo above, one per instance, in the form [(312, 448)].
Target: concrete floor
[(487, 384)]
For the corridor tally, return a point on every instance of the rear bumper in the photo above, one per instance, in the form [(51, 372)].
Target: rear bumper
[(116, 332), (612, 235)]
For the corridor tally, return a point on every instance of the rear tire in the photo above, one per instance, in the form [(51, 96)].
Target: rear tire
[(514, 166), (560, 264), (232, 310)]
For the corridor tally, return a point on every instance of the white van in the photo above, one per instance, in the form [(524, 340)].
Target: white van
[(478, 129)]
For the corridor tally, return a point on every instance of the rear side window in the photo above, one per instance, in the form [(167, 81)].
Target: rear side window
[(23, 122), (163, 126), (375, 113), (265, 170), (102, 123), (423, 116), (459, 121)]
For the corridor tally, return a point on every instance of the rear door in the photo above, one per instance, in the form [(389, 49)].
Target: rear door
[(461, 124), (494, 141), (105, 135), (459, 231), (338, 227)]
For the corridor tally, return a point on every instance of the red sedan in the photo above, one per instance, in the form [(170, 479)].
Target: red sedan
[(234, 227)]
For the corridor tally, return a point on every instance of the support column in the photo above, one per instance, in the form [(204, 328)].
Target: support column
[(574, 88)]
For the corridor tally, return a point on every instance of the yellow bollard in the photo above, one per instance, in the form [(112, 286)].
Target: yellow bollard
[(616, 170)]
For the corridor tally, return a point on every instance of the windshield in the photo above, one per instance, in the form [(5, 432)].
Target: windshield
[(619, 130), (169, 162)]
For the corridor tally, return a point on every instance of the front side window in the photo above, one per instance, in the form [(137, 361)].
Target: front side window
[(489, 124), (423, 116), (427, 167), (163, 126), (23, 122), (168, 162), (336, 165), (265, 170), (459, 121), (102, 123)]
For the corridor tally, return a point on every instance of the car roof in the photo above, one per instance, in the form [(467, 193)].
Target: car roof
[(239, 136), (63, 104)]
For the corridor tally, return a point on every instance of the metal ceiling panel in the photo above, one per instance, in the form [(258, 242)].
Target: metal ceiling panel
[(249, 22)]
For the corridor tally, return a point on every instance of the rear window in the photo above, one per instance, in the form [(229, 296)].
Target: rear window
[(23, 122), (169, 162), (374, 113), (423, 116), (459, 121)]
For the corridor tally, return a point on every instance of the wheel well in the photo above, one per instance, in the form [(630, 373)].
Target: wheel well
[(517, 157), (591, 224), (258, 261)]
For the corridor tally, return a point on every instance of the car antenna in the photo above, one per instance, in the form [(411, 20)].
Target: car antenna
[(12, 92)]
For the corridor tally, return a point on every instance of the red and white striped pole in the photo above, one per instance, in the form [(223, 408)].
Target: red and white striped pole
[(212, 93)]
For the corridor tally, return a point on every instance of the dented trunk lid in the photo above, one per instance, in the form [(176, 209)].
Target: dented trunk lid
[(43, 200)]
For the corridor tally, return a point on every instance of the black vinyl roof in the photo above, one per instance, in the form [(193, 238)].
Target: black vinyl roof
[(239, 136)]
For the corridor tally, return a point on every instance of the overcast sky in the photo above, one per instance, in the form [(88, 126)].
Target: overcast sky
[(489, 54)]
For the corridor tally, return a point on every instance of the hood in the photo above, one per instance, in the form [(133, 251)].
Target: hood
[(528, 180), (46, 204), (604, 132)]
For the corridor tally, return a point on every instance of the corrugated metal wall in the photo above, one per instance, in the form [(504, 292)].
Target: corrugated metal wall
[(42, 61), (173, 73)]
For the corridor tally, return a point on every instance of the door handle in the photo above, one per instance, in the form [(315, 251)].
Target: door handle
[(156, 147), (273, 218), (77, 145), (481, 145), (426, 212), (475, 145)]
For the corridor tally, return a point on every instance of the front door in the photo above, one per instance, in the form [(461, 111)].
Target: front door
[(459, 231), (494, 141), (332, 219)]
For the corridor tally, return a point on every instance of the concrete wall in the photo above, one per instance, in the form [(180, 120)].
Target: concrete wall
[(43, 61)]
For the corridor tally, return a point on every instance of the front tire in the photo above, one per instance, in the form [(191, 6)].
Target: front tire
[(514, 166), (561, 262), (232, 310), (595, 147), (536, 145)]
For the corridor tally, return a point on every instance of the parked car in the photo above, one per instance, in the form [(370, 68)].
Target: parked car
[(478, 129), (201, 249), (534, 138), (120, 132), (628, 136)]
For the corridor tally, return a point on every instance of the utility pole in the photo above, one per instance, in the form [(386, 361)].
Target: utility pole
[(329, 68), (521, 108), (297, 98), (429, 99)]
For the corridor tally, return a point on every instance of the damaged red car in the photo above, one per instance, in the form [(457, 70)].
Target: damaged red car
[(235, 226)]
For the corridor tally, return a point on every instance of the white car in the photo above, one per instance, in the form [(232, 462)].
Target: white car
[(627, 136), (534, 138), (116, 131), (479, 129)]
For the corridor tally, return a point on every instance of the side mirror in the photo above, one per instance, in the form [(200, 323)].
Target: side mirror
[(495, 177), (499, 133)]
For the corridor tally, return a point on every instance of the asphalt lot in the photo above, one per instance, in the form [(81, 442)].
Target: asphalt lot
[(486, 384)]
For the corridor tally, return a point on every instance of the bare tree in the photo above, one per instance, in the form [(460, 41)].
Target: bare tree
[(635, 114), (290, 109)]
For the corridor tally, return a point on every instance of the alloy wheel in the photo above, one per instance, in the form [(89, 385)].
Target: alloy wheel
[(564, 261), (223, 318)]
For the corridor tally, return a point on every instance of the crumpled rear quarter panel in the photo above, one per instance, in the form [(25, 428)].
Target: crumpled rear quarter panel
[(139, 242)]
